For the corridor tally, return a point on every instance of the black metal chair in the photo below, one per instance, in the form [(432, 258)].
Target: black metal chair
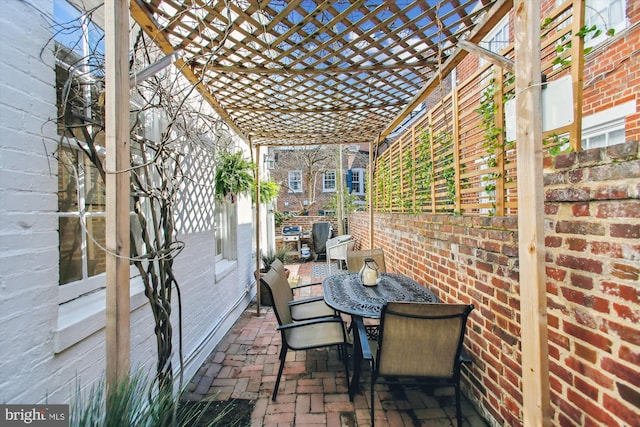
[(420, 343), (306, 334)]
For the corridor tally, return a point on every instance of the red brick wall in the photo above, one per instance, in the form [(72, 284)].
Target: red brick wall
[(306, 222), (592, 239)]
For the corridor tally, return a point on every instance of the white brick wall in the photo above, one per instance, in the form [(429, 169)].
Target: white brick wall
[(30, 370)]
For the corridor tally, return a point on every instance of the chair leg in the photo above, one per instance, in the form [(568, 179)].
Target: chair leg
[(345, 357), (458, 409), (283, 356), (373, 380)]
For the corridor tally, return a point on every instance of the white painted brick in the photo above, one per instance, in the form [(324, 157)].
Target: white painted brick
[(22, 222), (29, 240), (15, 180), (26, 162), (23, 201)]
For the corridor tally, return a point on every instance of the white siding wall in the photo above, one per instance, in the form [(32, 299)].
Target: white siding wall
[(30, 370)]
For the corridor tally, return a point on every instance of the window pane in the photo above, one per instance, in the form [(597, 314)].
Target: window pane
[(67, 188), (616, 137), (96, 258), (94, 188), (70, 249)]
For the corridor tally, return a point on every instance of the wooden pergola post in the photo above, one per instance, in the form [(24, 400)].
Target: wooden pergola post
[(257, 224), (118, 332), (533, 310), (372, 146)]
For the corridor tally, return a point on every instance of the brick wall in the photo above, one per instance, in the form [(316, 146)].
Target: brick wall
[(306, 222), (593, 275)]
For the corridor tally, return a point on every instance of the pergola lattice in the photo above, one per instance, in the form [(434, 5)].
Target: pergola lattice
[(329, 72), (314, 72)]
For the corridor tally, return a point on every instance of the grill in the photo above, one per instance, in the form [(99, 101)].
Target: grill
[(291, 233)]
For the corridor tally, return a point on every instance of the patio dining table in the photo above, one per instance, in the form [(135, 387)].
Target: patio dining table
[(346, 294)]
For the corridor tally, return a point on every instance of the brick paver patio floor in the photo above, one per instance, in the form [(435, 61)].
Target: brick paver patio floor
[(313, 390)]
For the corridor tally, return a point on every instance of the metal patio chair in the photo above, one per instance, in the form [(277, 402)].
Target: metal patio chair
[(304, 335), (302, 308), (355, 259), (420, 343)]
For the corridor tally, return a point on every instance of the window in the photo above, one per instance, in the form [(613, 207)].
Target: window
[(329, 181), (81, 190), (358, 181), (497, 39), (81, 207), (607, 127), (295, 181), (605, 15), (225, 228)]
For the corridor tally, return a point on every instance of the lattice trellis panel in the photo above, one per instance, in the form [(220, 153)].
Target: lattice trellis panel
[(309, 72)]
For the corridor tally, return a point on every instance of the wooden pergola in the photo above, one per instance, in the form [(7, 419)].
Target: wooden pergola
[(302, 72)]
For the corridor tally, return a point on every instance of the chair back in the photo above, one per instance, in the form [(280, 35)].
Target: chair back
[(355, 259), (421, 339), (278, 266), (280, 294)]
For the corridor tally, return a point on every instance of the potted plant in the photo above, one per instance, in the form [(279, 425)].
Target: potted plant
[(268, 191), (271, 255), (233, 176), (267, 259)]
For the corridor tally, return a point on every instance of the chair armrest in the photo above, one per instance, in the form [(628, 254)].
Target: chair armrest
[(365, 348), (305, 300), (464, 357), (337, 245), (304, 285), (310, 322)]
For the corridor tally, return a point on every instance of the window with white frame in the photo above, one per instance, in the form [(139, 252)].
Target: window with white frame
[(225, 226), (605, 15), (497, 39), (81, 189), (607, 127), (329, 181), (358, 181), (295, 181)]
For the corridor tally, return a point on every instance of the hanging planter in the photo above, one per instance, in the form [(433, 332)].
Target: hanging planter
[(233, 176)]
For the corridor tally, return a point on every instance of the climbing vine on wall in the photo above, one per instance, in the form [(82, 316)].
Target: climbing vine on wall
[(424, 166)]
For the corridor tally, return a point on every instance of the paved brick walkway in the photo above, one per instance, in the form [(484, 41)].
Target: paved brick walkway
[(313, 390)]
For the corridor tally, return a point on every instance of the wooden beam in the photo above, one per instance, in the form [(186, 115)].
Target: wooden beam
[(497, 12), (430, 63), (315, 110), (577, 73), (118, 194), (140, 13), (492, 57), (257, 225), (373, 145), (533, 310)]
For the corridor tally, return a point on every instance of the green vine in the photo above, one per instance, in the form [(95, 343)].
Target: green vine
[(557, 144), (564, 44), (492, 145), (447, 162), (424, 168), (408, 172)]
